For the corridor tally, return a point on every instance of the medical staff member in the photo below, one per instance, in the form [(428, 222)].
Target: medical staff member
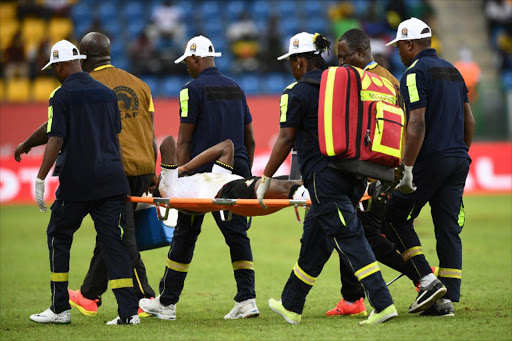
[(439, 133), (213, 108), (331, 221), (83, 125)]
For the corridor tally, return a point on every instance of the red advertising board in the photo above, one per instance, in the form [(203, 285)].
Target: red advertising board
[(490, 172)]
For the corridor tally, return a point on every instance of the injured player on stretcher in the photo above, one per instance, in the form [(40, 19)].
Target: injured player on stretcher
[(175, 182)]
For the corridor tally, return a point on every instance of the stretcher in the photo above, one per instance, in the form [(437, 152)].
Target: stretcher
[(243, 207)]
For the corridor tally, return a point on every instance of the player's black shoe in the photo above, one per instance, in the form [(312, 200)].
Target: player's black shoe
[(439, 309), (427, 296)]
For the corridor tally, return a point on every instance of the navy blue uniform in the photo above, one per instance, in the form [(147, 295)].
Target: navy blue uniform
[(440, 170), (218, 108), (84, 113), (331, 221)]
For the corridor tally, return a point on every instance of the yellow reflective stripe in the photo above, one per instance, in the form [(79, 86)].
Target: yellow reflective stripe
[(59, 276), (180, 267), (50, 112), (411, 86), (462, 216), (413, 251), (50, 119), (341, 216), (284, 107), (121, 283), (303, 276), (412, 65), (367, 95), (291, 86), (450, 273), (365, 82), (389, 85), (377, 81), (379, 129), (120, 227), (151, 105), (184, 102), (367, 271), (329, 90), (435, 270), (103, 67), (138, 282), (243, 265)]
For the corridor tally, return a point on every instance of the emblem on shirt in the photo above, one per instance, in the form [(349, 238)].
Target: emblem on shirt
[(404, 32), (248, 183), (296, 44), (55, 54), (127, 101), (193, 47)]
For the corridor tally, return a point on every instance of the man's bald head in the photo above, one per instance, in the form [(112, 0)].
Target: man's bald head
[(96, 46)]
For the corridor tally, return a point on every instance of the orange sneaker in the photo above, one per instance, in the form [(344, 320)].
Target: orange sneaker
[(343, 308), (142, 313), (86, 306)]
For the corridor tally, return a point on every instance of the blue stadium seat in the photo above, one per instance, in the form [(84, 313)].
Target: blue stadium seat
[(261, 23), (209, 10), (274, 83), (314, 8), (81, 11), (113, 27), (317, 24), (133, 10), (250, 83), (121, 62), (287, 9), (360, 7), (260, 8), (214, 27), (106, 11), (289, 27), (135, 27), (81, 26), (234, 9), (171, 86), (224, 62), (154, 85)]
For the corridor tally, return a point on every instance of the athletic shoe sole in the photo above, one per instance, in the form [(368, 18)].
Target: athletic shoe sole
[(280, 313), (415, 308), (82, 309)]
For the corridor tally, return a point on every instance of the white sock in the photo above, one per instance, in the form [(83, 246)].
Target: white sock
[(301, 193), (426, 280), (218, 169), (349, 302)]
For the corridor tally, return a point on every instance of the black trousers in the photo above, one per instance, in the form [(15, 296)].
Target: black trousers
[(384, 250), (96, 280), (65, 219)]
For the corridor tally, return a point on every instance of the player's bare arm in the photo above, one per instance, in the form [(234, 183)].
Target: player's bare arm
[(50, 155), (415, 135), (38, 138), (469, 125), (185, 134)]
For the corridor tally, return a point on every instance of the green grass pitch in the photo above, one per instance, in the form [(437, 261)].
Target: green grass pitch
[(484, 312)]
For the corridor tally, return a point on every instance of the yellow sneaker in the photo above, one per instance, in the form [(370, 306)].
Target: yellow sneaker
[(289, 316), (385, 315)]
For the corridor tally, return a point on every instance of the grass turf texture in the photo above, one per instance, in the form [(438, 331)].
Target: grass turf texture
[(483, 314)]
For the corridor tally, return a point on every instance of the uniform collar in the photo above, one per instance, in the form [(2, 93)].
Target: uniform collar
[(371, 65), (315, 74), (77, 75), (103, 67), (209, 71), (426, 52)]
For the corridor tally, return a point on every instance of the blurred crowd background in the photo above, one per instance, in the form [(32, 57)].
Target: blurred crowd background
[(147, 36)]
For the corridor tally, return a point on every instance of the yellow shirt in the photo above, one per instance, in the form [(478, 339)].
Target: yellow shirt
[(135, 104)]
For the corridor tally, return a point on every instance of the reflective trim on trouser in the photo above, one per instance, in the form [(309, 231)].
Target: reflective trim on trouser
[(121, 283), (177, 266), (450, 273), (59, 276), (367, 271), (412, 252), (303, 276), (243, 265)]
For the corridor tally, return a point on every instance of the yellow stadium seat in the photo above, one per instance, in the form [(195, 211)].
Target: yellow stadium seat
[(33, 31), (7, 10), (2, 89), (42, 87), (60, 28), (8, 29), (18, 90)]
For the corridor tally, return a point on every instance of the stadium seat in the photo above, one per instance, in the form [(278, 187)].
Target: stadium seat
[(106, 11), (8, 29), (289, 27), (135, 27), (260, 9), (81, 11), (287, 9), (234, 9), (250, 83), (171, 86), (154, 85), (274, 83), (2, 90), (42, 87), (317, 24), (18, 90), (312, 9), (32, 31), (214, 27), (60, 28), (209, 10), (133, 10), (7, 10)]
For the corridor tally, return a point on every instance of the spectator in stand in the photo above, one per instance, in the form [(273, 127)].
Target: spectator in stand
[(143, 56), (470, 71), (499, 14), (167, 21), (15, 63), (342, 18), (243, 38), (272, 46), (38, 57)]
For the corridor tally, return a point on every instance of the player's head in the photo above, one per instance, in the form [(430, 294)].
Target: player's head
[(354, 48), (412, 36), (198, 55), (96, 46), (64, 60), (305, 53)]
